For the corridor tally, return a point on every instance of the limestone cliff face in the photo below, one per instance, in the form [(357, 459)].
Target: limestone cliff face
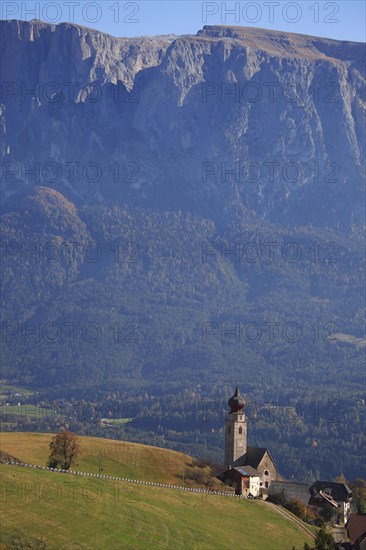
[(257, 122), (70, 53)]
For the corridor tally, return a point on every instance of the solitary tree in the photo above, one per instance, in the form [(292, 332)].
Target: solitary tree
[(64, 450)]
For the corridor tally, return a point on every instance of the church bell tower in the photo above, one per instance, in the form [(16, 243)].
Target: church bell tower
[(235, 430)]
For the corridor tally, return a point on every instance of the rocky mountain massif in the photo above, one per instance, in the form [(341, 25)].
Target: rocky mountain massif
[(169, 119), (182, 212)]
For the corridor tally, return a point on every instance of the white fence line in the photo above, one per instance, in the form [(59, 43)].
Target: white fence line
[(125, 479)]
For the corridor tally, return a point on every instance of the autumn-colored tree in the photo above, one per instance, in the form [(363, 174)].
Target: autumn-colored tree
[(296, 507), (64, 450), (341, 479)]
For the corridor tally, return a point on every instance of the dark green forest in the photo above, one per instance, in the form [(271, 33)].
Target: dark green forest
[(155, 315)]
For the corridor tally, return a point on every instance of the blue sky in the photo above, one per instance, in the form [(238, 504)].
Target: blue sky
[(343, 19)]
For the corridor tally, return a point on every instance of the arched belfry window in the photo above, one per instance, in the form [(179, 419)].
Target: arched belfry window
[(240, 430)]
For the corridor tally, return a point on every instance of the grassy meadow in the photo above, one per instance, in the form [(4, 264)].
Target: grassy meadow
[(73, 512)]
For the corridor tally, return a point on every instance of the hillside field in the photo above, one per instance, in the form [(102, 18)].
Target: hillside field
[(72, 512)]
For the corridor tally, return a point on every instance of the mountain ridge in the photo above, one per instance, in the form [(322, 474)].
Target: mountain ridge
[(291, 128), (230, 30)]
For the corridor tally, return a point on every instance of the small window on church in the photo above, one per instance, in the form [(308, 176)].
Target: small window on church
[(266, 472), (266, 484), (240, 430), (229, 430)]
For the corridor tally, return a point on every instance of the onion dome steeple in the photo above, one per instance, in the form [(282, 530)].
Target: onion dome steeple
[(236, 402)]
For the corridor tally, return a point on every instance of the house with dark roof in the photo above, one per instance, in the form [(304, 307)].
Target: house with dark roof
[(356, 531), (256, 462), (245, 479), (331, 493)]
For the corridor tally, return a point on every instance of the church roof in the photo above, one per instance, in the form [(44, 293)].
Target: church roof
[(254, 456)]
